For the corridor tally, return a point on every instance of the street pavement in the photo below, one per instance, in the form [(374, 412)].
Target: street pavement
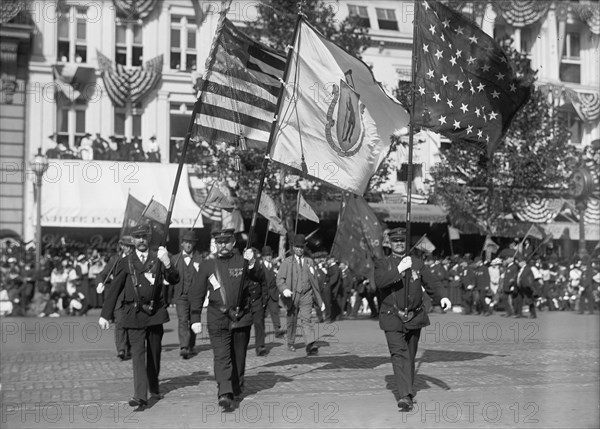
[(472, 371)]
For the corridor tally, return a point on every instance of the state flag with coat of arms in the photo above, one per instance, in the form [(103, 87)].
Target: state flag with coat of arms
[(335, 119)]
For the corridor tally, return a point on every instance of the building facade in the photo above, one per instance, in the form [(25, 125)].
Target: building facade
[(126, 74)]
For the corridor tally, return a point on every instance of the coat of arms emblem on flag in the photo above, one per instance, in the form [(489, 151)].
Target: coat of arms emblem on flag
[(349, 126)]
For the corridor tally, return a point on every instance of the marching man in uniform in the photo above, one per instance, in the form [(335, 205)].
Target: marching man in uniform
[(144, 311), (228, 317), (403, 328)]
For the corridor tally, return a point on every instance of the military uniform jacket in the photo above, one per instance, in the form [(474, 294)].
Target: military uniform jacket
[(527, 282), (510, 279), (293, 277), (391, 285), (179, 262), (129, 273), (334, 280), (221, 277)]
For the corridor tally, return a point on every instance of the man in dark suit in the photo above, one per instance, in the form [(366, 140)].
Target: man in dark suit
[(187, 263), (509, 285), (229, 318), (105, 278), (144, 311), (529, 284), (402, 321), (272, 306), (333, 290), (297, 282)]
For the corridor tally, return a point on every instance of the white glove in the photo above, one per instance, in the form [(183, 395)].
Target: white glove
[(100, 288), (163, 255), (249, 256), (287, 293), (196, 327), (404, 264), (470, 287), (323, 307), (104, 324), (445, 303)]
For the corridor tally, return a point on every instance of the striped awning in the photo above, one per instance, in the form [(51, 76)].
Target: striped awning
[(419, 213)]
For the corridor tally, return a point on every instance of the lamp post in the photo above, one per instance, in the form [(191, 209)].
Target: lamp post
[(39, 165)]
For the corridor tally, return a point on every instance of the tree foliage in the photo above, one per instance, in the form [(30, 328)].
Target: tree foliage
[(534, 158)]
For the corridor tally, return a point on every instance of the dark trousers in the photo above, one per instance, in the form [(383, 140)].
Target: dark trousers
[(506, 299), (327, 299), (524, 298), (403, 349), (145, 356), (370, 300), (273, 310), (258, 320), (229, 350), (586, 300), (187, 338), (121, 337)]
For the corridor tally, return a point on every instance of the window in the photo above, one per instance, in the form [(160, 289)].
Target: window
[(127, 123), (575, 126), (183, 43), (570, 63), (72, 32), (361, 12), (179, 116), (70, 123), (386, 19), (129, 51)]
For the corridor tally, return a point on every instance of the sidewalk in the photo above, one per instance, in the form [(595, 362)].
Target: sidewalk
[(473, 371)]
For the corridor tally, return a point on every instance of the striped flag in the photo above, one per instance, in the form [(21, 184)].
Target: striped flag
[(239, 90), (156, 211)]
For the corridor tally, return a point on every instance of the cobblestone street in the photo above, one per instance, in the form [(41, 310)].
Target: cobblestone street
[(473, 371)]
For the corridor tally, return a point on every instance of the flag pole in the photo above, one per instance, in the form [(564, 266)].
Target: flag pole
[(297, 211), (265, 164), (409, 177)]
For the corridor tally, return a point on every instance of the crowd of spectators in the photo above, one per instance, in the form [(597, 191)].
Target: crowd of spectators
[(114, 148), (66, 284)]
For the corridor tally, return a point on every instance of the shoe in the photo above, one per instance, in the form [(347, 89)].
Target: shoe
[(225, 401), (279, 334), (312, 350), (184, 353), (121, 354), (157, 396), (533, 316), (135, 402), (261, 351), (405, 403), (291, 348)]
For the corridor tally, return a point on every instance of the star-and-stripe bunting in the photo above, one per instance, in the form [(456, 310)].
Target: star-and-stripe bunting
[(465, 86), (520, 13), (539, 210), (125, 85), (239, 90), (133, 10), (586, 104)]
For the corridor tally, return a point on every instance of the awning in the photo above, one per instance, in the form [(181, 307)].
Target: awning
[(419, 213), (93, 194)]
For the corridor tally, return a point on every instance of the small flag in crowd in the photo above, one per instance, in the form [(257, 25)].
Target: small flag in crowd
[(74, 80), (490, 245), (305, 210), (337, 126), (134, 215), (536, 232), (268, 209), (465, 86), (219, 196), (425, 245), (232, 220), (359, 237), (240, 89), (454, 233), (156, 211)]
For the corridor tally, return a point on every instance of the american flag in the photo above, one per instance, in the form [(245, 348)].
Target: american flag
[(240, 89), (465, 86)]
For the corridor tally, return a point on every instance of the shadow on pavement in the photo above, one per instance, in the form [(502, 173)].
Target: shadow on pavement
[(334, 362), (192, 379)]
